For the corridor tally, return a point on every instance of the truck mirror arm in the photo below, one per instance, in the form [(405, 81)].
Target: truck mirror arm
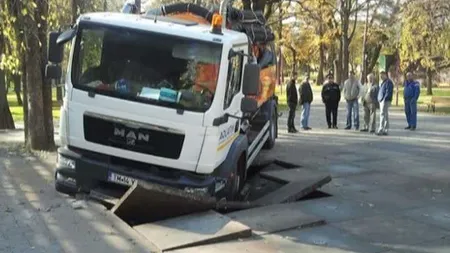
[(224, 119)]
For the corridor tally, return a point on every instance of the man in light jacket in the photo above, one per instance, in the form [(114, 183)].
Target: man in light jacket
[(385, 99), (370, 104), (352, 89), (411, 94)]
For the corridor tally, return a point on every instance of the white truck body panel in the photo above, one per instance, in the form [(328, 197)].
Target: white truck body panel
[(205, 146)]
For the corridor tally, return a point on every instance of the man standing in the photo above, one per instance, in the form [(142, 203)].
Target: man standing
[(292, 100), (370, 104), (385, 98), (352, 89), (306, 98), (411, 94), (331, 95)]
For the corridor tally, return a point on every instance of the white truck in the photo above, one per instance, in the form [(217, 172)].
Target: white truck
[(166, 98)]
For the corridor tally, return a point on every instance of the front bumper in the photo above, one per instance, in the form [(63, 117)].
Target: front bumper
[(90, 169)]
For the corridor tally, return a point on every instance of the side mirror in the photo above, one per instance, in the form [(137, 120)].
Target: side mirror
[(53, 71), (249, 105), (250, 83), (55, 52)]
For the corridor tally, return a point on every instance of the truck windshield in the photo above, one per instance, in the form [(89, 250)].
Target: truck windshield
[(146, 67)]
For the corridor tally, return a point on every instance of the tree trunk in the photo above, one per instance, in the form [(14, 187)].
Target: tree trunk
[(345, 57), (320, 77), (25, 98), (294, 60), (280, 35), (373, 58), (344, 40), (37, 113), (75, 7), (429, 74), (17, 88), (46, 84), (6, 119), (338, 76), (364, 71)]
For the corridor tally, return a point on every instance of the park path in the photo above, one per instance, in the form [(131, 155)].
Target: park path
[(390, 194)]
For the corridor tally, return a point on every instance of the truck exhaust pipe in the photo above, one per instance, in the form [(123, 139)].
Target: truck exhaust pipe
[(223, 11)]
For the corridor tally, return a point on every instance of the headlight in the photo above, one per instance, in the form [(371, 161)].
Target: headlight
[(65, 162)]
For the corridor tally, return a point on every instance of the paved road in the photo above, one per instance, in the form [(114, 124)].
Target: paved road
[(390, 195)]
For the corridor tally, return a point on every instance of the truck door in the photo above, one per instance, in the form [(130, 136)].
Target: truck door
[(231, 103)]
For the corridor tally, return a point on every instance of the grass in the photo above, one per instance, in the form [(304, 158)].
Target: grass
[(280, 91), (17, 110)]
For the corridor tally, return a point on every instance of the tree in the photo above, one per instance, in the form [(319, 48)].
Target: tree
[(27, 35), (425, 40), (6, 119), (319, 14)]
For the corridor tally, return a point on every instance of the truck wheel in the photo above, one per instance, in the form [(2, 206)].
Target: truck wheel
[(273, 130), (236, 180), (64, 186)]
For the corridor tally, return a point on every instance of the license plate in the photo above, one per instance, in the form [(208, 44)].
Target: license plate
[(120, 179)]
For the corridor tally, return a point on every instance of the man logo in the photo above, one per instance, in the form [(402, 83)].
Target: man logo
[(131, 136)]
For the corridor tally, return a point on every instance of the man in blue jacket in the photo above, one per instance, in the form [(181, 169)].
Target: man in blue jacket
[(385, 99), (411, 93)]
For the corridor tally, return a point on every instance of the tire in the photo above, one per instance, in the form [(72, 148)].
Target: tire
[(236, 181), (63, 186), (273, 130)]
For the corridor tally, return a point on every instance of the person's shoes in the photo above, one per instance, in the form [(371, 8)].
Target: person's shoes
[(413, 129), (335, 127), (407, 128), (379, 134), (291, 131), (372, 131), (348, 128), (364, 130), (385, 134), (357, 129), (308, 128), (329, 127)]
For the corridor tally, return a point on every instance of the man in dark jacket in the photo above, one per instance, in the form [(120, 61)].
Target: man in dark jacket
[(411, 94), (331, 95), (306, 98), (292, 101), (385, 94)]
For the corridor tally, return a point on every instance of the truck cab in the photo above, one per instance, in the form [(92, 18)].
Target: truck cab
[(155, 98)]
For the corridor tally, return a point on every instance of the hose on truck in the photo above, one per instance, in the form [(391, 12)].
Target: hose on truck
[(253, 23)]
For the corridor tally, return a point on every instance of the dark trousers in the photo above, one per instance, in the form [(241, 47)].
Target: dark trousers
[(331, 109), (291, 116)]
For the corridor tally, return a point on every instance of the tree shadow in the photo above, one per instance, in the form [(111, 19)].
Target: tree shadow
[(48, 221)]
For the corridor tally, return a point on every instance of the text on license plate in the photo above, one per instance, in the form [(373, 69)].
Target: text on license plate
[(120, 179)]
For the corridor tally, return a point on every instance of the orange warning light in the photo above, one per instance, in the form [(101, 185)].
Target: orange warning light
[(216, 24)]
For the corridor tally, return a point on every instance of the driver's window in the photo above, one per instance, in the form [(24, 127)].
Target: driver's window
[(233, 79), (91, 46)]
